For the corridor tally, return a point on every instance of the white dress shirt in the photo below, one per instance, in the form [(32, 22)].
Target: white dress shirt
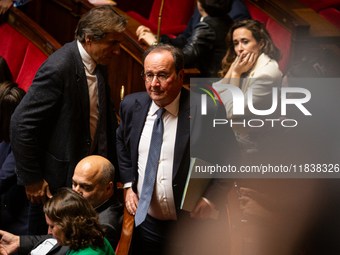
[(89, 67), (162, 204)]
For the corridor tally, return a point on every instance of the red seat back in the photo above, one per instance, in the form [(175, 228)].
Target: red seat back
[(280, 36), (332, 15), (21, 55), (175, 16)]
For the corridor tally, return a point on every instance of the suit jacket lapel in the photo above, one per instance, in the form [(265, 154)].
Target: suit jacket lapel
[(82, 84), (141, 108), (140, 111), (183, 130)]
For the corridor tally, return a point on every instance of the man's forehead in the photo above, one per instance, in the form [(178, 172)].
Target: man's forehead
[(164, 54), (162, 61), (114, 36)]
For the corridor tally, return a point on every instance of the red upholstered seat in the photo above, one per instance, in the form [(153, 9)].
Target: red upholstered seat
[(318, 5), (282, 39), (332, 15), (280, 36), (30, 65), (21, 55), (13, 48), (175, 16)]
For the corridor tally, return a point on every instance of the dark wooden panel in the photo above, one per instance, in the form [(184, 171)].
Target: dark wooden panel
[(54, 15), (124, 71)]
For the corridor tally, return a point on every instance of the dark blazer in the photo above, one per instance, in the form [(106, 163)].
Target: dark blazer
[(203, 43), (14, 203), (239, 11), (110, 216), (206, 47), (192, 133), (50, 127)]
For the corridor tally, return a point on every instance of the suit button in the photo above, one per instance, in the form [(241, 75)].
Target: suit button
[(88, 142)]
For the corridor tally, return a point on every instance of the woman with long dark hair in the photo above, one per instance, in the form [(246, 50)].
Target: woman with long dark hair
[(251, 65)]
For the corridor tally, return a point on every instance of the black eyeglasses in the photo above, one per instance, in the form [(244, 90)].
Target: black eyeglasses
[(148, 77)]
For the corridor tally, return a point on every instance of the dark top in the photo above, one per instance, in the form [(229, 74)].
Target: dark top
[(239, 11), (14, 204), (206, 47)]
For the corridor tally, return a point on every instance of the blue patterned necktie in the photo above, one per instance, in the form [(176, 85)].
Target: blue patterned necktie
[(151, 168), (102, 122)]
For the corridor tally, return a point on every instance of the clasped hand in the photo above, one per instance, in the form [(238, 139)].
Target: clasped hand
[(145, 35)]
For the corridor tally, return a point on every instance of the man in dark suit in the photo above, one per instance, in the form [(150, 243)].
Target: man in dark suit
[(184, 130), (93, 178), (67, 113), (239, 11)]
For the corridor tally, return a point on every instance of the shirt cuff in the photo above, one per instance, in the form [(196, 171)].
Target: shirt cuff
[(127, 185), (211, 204)]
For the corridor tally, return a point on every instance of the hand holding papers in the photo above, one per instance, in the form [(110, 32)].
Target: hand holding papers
[(195, 188)]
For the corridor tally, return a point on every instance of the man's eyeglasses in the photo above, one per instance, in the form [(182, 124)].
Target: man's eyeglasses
[(148, 77)]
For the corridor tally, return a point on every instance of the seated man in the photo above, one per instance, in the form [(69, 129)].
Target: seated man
[(206, 46), (207, 28), (93, 178), (239, 11)]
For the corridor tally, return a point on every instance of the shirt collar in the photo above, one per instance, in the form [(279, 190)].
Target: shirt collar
[(101, 204), (172, 108), (88, 61)]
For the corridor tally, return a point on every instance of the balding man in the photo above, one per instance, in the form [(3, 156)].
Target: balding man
[(93, 178)]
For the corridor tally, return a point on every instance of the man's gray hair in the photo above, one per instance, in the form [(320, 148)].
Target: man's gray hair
[(175, 52), (99, 22)]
